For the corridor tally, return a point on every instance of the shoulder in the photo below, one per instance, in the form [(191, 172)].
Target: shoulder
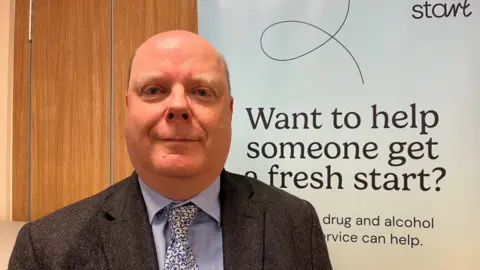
[(73, 222), (66, 236), (291, 223), (81, 210)]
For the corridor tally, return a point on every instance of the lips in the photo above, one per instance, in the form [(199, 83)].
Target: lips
[(178, 139)]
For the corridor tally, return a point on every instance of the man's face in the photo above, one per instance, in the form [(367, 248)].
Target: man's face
[(179, 110)]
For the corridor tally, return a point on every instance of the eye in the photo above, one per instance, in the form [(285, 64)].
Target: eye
[(204, 92), (152, 91)]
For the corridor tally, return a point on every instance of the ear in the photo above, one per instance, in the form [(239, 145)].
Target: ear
[(231, 107), (126, 99)]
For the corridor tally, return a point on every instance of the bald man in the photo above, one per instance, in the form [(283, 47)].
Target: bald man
[(179, 209)]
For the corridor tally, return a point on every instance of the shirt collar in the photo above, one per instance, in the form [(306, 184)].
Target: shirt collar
[(207, 200)]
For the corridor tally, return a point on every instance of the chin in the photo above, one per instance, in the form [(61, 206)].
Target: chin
[(178, 165)]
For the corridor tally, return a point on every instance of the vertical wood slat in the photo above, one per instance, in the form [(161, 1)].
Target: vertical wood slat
[(133, 23), (70, 102), (20, 112)]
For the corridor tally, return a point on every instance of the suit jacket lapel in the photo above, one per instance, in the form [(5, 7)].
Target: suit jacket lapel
[(242, 223), (125, 230)]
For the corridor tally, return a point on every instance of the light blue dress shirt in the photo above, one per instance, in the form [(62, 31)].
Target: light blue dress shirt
[(205, 233)]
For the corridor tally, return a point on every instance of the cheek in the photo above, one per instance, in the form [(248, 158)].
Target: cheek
[(218, 126), (142, 118)]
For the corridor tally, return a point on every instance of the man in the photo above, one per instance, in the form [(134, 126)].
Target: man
[(180, 208)]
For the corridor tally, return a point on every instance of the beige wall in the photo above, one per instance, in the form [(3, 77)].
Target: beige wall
[(6, 68)]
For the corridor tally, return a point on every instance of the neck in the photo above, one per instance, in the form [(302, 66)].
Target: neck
[(178, 188)]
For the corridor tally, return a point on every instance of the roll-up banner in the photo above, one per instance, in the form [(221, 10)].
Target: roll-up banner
[(368, 109)]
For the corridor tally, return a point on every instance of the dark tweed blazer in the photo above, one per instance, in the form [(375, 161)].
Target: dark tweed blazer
[(263, 228)]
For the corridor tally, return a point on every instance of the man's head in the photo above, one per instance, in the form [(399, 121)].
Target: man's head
[(178, 113)]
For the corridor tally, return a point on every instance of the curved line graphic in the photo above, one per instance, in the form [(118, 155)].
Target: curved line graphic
[(316, 48)]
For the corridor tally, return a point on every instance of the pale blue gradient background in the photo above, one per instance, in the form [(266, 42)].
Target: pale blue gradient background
[(431, 62)]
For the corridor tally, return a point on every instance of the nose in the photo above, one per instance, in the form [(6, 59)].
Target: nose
[(178, 109)]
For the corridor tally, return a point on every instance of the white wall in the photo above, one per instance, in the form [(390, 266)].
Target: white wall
[(6, 82)]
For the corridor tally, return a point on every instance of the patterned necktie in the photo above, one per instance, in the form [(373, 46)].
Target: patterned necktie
[(179, 255)]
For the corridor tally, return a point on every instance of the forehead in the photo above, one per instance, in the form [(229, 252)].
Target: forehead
[(172, 58)]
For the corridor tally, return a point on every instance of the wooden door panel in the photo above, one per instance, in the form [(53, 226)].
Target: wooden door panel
[(70, 102), (21, 113)]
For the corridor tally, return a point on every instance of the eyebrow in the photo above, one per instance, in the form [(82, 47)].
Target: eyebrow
[(206, 78), (211, 79), (146, 78)]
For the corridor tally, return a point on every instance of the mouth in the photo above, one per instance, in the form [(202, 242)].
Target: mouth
[(177, 140)]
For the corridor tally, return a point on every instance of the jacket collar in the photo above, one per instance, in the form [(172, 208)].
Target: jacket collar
[(128, 240)]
